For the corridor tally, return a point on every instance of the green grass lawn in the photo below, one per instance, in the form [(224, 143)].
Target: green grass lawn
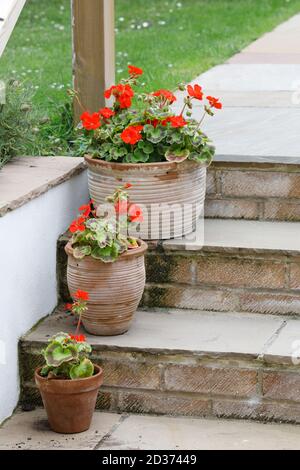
[(172, 41)]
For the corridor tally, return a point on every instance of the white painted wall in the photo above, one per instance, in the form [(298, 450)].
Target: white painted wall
[(28, 289)]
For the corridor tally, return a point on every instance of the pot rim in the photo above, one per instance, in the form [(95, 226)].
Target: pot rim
[(135, 252), (127, 166), (84, 379)]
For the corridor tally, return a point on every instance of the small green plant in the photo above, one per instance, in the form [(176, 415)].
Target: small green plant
[(105, 237), (66, 357)]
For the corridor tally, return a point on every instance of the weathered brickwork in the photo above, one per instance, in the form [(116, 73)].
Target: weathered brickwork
[(253, 191), (185, 384)]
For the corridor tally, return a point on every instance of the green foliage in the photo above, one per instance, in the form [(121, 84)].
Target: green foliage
[(67, 358), (105, 237)]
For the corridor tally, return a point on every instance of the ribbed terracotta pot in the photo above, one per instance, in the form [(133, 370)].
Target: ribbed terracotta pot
[(171, 194), (69, 404), (115, 289)]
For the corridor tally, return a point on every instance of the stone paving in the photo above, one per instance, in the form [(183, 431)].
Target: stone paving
[(30, 431), (260, 88)]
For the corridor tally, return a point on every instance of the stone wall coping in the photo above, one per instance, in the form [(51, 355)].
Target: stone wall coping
[(26, 178)]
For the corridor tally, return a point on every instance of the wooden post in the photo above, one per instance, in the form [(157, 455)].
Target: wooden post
[(93, 52)]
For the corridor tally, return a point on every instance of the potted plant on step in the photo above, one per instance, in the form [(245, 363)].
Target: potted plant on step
[(164, 154), (107, 260), (68, 383)]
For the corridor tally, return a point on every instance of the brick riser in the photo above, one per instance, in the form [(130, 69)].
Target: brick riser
[(253, 191), (219, 280), (185, 384), (223, 281)]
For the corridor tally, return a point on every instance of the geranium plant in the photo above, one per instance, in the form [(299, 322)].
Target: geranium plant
[(150, 131), (105, 237), (66, 357)]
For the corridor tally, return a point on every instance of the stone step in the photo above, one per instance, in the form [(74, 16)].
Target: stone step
[(227, 265), (239, 189), (112, 431), (175, 362)]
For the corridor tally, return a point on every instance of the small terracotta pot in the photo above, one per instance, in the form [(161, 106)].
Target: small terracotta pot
[(171, 195), (115, 289), (69, 404)]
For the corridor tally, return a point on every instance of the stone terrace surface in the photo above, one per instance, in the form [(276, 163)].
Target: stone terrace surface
[(26, 178), (188, 363), (260, 90), (30, 431)]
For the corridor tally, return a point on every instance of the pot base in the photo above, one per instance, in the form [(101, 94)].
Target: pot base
[(101, 330)]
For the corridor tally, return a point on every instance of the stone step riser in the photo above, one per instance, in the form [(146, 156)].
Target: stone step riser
[(253, 191), (223, 281), (215, 281), (184, 384)]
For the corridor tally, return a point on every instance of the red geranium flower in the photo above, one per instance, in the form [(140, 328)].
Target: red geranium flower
[(81, 295), (78, 338), (86, 209), (77, 225), (132, 134), (176, 121), (122, 93), (106, 113), (127, 186), (134, 70), (168, 95), (153, 122), (195, 92), (214, 102), (135, 213), (68, 306), (90, 121)]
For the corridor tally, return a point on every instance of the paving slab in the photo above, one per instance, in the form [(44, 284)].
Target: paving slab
[(26, 178), (178, 331), (282, 42), (251, 77), (263, 133), (159, 433), (265, 58), (243, 234), (286, 347), (30, 431), (292, 24)]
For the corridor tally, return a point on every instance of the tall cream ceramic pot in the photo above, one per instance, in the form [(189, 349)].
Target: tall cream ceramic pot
[(115, 289), (171, 194)]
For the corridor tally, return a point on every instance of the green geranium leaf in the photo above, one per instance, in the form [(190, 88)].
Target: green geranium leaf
[(177, 155), (56, 353), (81, 251), (84, 369), (139, 156)]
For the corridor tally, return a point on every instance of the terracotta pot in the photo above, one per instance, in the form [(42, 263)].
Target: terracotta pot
[(115, 289), (69, 404), (171, 194)]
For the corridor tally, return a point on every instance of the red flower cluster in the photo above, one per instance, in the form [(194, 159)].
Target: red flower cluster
[(106, 113), (195, 92), (175, 121), (214, 102), (168, 95), (78, 338), (90, 121), (134, 71), (132, 134), (81, 295), (122, 93), (78, 225)]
